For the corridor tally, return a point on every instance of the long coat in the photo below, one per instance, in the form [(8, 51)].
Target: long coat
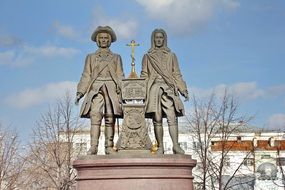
[(167, 68), (89, 85)]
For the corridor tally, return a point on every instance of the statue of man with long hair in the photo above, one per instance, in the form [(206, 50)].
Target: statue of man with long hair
[(164, 83)]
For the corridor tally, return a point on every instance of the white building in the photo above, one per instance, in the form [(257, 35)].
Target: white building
[(261, 155)]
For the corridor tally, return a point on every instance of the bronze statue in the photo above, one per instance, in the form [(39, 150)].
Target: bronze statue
[(101, 85), (164, 81)]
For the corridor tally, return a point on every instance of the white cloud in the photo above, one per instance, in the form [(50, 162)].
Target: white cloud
[(230, 4), (185, 16), (27, 55), (65, 30), (276, 90), (51, 51), (124, 28), (244, 91), (15, 58), (277, 121), (6, 57), (40, 95), (7, 41)]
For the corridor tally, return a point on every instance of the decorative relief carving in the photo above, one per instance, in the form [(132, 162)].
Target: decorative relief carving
[(133, 89), (134, 118), (134, 134)]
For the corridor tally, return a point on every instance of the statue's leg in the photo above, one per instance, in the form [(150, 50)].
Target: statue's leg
[(169, 110), (158, 131), (94, 135), (157, 122), (96, 115), (109, 123), (109, 133), (173, 131)]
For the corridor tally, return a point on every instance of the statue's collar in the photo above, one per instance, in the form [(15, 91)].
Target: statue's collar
[(101, 51), (158, 50), (154, 51)]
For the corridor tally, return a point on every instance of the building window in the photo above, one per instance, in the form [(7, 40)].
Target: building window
[(238, 138), (183, 145), (227, 161), (248, 162), (280, 161), (265, 156), (271, 141), (194, 145), (197, 145)]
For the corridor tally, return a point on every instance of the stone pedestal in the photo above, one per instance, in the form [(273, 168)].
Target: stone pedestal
[(134, 136), (135, 172)]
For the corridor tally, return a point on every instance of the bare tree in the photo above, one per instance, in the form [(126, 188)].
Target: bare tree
[(211, 119), (281, 163), (11, 163), (51, 151)]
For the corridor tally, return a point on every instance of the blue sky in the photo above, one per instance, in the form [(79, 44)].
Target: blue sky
[(238, 44)]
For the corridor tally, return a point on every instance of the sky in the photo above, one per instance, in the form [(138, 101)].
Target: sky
[(233, 44)]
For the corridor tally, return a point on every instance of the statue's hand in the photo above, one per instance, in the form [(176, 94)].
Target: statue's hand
[(185, 95), (186, 98), (79, 95)]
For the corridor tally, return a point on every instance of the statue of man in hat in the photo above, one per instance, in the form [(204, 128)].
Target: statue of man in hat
[(164, 82), (101, 84)]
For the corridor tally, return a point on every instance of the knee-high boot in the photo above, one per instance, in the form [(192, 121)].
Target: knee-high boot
[(109, 134), (94, 135), (173, 131), (158, 131)]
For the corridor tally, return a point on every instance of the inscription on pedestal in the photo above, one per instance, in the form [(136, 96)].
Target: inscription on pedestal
[(133, 89)]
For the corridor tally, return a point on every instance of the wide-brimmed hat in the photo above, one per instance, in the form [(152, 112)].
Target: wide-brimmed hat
[(106, 29)]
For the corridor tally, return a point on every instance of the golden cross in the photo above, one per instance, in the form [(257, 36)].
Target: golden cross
[(133, 45)]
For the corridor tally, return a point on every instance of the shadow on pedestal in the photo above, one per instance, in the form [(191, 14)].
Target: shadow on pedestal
[(135, 172)]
